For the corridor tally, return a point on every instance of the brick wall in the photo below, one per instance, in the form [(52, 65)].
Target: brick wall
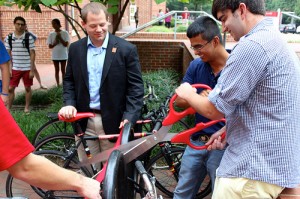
[(38, 23), (148, 10), (163, 36), (155, 54)]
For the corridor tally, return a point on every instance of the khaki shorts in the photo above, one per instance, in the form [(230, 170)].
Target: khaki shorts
[(238, 188)]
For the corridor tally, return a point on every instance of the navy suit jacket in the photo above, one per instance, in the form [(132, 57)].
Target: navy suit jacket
[(121, 89)]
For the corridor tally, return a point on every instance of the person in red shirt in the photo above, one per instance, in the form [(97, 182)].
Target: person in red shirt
[(185, 17)]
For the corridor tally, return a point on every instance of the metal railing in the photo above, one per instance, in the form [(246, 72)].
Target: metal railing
[(177, 21)]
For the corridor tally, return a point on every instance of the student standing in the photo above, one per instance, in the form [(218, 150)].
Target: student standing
[(58, 41)]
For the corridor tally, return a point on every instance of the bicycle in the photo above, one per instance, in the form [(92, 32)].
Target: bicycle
[(170, 154), (18, 188), (54, 125), (169, 159), (67, 159)]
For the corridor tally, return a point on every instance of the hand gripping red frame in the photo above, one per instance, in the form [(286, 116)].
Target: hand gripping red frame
[(175, 116), (185, 136), (77, 117)]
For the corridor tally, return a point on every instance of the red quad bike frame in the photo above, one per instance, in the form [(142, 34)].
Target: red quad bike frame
[(185, 136)]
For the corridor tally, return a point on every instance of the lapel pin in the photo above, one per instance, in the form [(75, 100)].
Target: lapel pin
[(114, 50)]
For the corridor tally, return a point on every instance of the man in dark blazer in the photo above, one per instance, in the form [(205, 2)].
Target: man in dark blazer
[(103, 76)]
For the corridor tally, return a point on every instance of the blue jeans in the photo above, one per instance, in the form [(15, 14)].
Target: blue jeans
[(195, 164), (0, 86)]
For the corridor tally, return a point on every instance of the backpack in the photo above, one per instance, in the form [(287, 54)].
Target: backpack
[(25, 41)]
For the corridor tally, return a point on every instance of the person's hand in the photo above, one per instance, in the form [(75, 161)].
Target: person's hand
[(123, 123), (90, 188), (31, 74), (215, 141), (205, 93), (4, 99), (185, 90), (68, 112)]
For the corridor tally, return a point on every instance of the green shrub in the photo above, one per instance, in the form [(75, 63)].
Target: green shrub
[(41, 97), (181, 28), (158, 29)]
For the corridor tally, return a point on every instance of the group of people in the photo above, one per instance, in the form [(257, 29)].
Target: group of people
[(20, 63), (103, 76), (167, 20), (255, 87)]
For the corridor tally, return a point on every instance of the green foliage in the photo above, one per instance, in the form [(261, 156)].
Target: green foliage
[(41, 97), (164, 83), (195, 5), (159, 1), (184, 1), (181, 28), (58, 6), (158, 29)]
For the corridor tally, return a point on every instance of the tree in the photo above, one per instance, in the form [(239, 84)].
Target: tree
[(114, 8)]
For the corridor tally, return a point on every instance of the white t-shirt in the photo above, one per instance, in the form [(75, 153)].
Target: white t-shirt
[(59, 52)]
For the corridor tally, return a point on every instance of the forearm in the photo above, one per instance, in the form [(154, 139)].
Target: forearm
[(32, 59), (63, 42), (39, 171), (181, 103), (204, 107), (5, 76)]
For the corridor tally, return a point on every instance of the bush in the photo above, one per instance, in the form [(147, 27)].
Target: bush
[(41, 97), (158, 29), (181, 28)]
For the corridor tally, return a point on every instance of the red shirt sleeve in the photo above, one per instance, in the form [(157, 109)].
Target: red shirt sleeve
[(14, 145)]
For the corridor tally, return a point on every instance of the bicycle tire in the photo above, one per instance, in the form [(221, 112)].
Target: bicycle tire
[(59, 142), (165, 179), (18, 188), (115, 177), (52, 126)]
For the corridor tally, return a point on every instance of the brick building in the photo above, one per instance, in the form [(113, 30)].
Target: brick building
[(40, 23)]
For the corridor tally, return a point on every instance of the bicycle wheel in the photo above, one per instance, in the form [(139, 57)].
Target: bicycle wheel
[(52, 126), (18, 188), (115, 177), (166, 180), (59, 142)]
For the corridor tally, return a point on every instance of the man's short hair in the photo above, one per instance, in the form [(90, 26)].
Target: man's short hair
[(56, 21), (95, 8), (206, 27), (19, 18), (254, 6)]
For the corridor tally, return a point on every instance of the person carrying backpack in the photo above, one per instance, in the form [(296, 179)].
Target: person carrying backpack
[(20, 46)]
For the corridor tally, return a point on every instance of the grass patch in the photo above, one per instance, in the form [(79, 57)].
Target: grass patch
[(41, 97), (179, 28), (159, 29)]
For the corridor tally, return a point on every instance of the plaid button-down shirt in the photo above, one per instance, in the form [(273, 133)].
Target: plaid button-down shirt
[(259, 93)]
